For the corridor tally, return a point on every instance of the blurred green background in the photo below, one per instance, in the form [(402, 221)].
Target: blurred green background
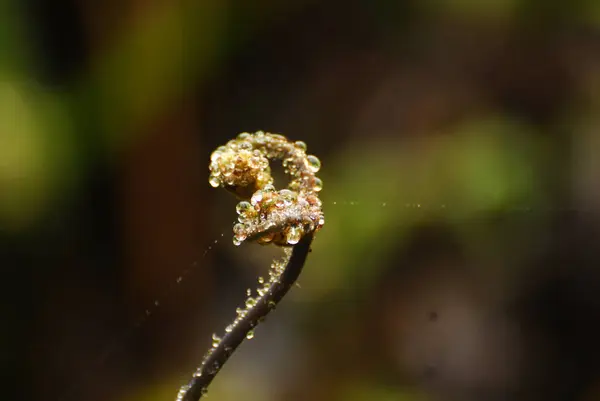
[(459, 143)]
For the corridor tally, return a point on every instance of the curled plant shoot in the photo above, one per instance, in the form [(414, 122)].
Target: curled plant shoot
[(288, 218)]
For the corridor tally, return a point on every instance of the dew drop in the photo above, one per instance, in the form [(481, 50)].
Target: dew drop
[(248, 292), (250, 302), (261, 280), (301, 145), (314, 164), (245, 145), (250, 335), (215, 341), (293, 236), (256, 198), (215, 156), (318, 184), (278, 137), (286, 194), (214, 181), (242, 207), (239, 231)]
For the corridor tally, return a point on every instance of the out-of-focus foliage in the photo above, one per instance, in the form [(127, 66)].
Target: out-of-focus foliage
[(388, 188)]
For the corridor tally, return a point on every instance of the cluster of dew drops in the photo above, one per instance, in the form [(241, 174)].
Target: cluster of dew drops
[(265, 214)]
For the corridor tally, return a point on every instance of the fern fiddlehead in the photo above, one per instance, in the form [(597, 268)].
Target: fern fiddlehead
[(288, 218)]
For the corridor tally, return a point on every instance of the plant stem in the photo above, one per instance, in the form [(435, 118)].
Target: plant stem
[(214, 360)]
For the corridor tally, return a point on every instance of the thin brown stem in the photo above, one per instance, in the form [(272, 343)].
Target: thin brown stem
[(218, 356)]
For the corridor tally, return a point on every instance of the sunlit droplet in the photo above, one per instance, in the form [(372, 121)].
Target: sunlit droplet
[(318, 184), (293, 236), (215, 156), (250, 302), (268, 188), (245, 145), (301, 145), (256, 198), (214, 181), (314, 164), (242, 207)]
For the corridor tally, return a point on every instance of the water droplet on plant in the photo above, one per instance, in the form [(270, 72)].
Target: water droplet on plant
[(214, 181), (261, 280), (286, 193), (265, 239), (238, 230), (294, 234), (229, 328), (215, 156), (242, 207), (278, 137), (256, 198), (215, 340), (250, 335), (250, 302), (245, 145), (301, 145), (318, 185), (314, 164), (248, 292)]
